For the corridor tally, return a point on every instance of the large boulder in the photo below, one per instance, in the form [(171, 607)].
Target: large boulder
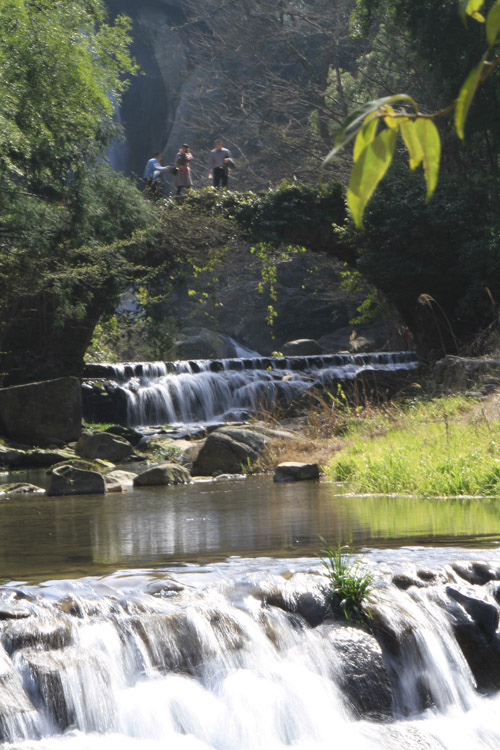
[(42, 413), (69, 480), (163, 474), (201, 343), (229, 450), (105, 446)]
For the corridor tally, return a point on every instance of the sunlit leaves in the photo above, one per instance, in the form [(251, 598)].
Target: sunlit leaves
[(373, 153), (471, 8), (353, 123), (365, 136), (412, 142), (370, 167), (430, 142), (465, 98), (493, 24)]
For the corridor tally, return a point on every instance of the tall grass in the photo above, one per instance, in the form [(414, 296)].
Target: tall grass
[(440, 448)]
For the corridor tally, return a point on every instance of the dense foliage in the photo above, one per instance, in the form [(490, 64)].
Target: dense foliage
[(66, 220)]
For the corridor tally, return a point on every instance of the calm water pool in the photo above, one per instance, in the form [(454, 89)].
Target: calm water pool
[(46, 537)]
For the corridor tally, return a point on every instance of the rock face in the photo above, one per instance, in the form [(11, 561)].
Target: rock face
[(163, 474), (42, 413), (292, 471), (68, 480), (229, 450)]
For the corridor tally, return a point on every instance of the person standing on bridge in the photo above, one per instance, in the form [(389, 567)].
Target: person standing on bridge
[(218, 164), (183, 180), (152, 175)]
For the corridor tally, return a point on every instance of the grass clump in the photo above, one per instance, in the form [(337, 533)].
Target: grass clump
[(444, 447), (350, 583)]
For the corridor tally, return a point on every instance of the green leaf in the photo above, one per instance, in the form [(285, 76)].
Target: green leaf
[(364, 137), (470, 8), (465, 97), (412, 142), (493, 24), (354, 122), (367, 172), (428, 135)]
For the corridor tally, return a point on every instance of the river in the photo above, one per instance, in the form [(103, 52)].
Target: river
[(147, 620)]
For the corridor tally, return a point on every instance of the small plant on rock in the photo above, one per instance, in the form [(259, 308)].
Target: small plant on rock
[(350, 582)]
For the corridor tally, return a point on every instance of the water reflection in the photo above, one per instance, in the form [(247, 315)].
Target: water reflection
[(58, 537)]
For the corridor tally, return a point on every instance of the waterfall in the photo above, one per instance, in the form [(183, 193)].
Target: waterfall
[(205, 391), (147, 659)]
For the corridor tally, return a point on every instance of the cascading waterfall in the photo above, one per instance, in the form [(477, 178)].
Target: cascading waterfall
[(148, 660), (204, 391)]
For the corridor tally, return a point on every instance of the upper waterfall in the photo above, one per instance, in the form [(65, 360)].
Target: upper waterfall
[(204, 391)]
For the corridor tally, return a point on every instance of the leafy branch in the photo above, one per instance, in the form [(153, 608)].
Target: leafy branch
[(375, 125)]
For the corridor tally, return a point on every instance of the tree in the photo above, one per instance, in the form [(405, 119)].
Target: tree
[(66, 221)]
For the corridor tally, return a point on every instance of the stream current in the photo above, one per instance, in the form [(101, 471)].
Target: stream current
[(195, 617), (173, 618)]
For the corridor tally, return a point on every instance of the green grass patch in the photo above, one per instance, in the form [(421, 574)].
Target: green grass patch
[(436, 448), (350, 583)]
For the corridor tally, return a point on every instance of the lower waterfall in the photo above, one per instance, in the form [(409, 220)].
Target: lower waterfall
[(181, 658)]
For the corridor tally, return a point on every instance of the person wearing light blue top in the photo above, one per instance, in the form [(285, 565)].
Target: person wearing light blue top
[(152, 174)]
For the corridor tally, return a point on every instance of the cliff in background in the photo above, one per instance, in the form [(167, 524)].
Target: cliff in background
[(152, 111)]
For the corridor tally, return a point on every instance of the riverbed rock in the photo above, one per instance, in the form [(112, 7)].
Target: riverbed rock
[(294, 471), (15, 458), (41, 413), (475, 624), (14, 701), (14, 605), (68, 480), (301, 347), (37, 632), (127, 433), (476, 572), (50, 671), (104, 445), (229, 450), (363, 675), (113, 485), (163, 474), (126, 478), (23, 488), (202, 343)]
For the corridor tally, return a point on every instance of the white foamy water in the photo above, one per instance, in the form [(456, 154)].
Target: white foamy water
[(193, 391), (225, 659)]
